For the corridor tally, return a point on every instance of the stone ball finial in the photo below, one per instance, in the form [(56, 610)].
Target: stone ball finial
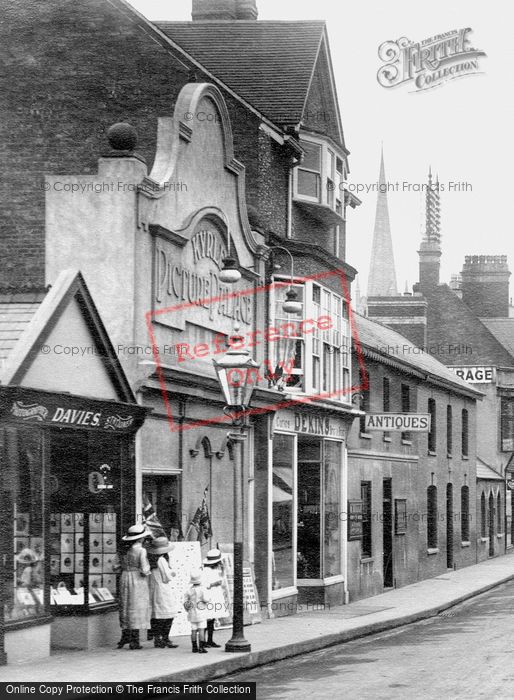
[(122, 136)]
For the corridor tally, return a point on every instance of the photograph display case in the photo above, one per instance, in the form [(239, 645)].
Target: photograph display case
[(68, 544)]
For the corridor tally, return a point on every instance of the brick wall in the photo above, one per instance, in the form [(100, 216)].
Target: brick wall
[(70, 71)]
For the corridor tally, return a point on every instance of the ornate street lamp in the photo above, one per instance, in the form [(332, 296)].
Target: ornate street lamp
[(229, 273), (237, 375), (291, 305)]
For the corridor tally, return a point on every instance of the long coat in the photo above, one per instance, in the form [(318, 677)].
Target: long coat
[(134, 593), (163, 600)]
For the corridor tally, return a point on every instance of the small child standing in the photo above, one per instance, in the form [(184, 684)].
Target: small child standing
[(196, 602), (213, 581)]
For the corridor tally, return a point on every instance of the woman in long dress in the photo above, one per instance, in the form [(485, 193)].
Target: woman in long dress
[(134, 594), (163, 600)]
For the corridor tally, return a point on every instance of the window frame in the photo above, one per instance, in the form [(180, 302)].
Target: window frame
[(329, 196), (465, 432), (432, 514), (464, 514), (449, 430), (367, 528), (432, 433)]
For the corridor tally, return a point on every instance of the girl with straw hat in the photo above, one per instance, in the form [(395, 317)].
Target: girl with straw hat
[(134, 595), (163, 603)]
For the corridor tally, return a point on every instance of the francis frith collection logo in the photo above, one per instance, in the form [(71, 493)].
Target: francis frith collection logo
[(428, 63)]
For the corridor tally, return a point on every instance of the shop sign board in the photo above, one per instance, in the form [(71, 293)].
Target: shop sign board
[(319, 424), (65, 411), (475, 375), (507, 424), (400, 422)]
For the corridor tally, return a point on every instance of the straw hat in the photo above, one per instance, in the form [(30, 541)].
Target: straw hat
[(196, 576), (27, 556), (213, 556), (135, 532), (160, 545)]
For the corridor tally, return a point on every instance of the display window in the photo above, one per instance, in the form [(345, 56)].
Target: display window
[(23, 543), (85, 470), (283, 488), (306, 509)]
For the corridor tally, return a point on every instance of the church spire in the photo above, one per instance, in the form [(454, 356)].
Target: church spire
[(382, 275)]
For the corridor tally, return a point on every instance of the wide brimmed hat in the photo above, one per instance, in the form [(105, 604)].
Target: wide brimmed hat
[(196, 576), (136, 532), (160, 545), (27, 556), (213, 556)]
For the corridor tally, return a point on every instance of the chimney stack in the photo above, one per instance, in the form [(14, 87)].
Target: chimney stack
[(213, 10), (485, 285)]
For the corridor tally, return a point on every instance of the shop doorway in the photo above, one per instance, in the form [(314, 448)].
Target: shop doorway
[(161, 499), (449, 526), (491, 524), (309, 508), (387, 517)]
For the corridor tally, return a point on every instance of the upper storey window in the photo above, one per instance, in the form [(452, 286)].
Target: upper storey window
[(321, 176)]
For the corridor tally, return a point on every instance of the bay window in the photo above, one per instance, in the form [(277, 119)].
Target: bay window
[(316, 355), (321, 175)]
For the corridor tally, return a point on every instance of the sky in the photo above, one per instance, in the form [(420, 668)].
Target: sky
[(462, 129)]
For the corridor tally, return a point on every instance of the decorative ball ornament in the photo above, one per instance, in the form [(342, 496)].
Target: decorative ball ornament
[(122, 136)]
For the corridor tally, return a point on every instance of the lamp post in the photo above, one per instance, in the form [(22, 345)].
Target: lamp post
[(237, 375)]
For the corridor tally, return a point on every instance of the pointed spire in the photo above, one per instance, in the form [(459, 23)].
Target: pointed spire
[(382, 275)]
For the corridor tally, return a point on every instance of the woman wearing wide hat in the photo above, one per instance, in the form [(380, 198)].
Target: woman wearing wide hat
[(212, 580), (134, 595), (163, 602)]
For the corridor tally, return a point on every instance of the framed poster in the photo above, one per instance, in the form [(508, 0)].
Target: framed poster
[(251, 605), (400, 516), (354, 520)]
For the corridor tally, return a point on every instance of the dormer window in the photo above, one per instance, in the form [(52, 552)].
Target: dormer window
[(309, 172)]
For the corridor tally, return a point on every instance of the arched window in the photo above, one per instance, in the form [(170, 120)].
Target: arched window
[(499, 513), (449, 430), (483, 516), (432, 517), (464, 513)]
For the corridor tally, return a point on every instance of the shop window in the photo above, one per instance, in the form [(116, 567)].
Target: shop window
[(464, 513), (283, 490), (499, 514), (84, 518), (332, 520), (432, 517), (23, 545), (386, 400), (432, 435), (366, 519), (483, 516), (406, 407), (465, 432), (449, 430)]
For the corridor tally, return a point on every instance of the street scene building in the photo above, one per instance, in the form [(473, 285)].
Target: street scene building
[(168, 209)]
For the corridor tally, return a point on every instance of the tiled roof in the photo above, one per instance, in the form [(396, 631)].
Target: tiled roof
[(384, 341), (16, 312), (269, 64), (503, 331)]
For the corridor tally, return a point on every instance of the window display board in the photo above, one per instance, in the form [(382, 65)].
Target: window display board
[(67, 547), (251, 605), (184, 557)]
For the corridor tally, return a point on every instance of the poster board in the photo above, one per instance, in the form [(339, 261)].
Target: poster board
[(184, 557), (251, 606)]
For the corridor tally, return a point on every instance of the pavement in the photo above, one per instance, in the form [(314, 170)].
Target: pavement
[(271, 640)]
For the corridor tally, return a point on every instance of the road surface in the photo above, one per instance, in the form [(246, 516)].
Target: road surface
[(466, 652)]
